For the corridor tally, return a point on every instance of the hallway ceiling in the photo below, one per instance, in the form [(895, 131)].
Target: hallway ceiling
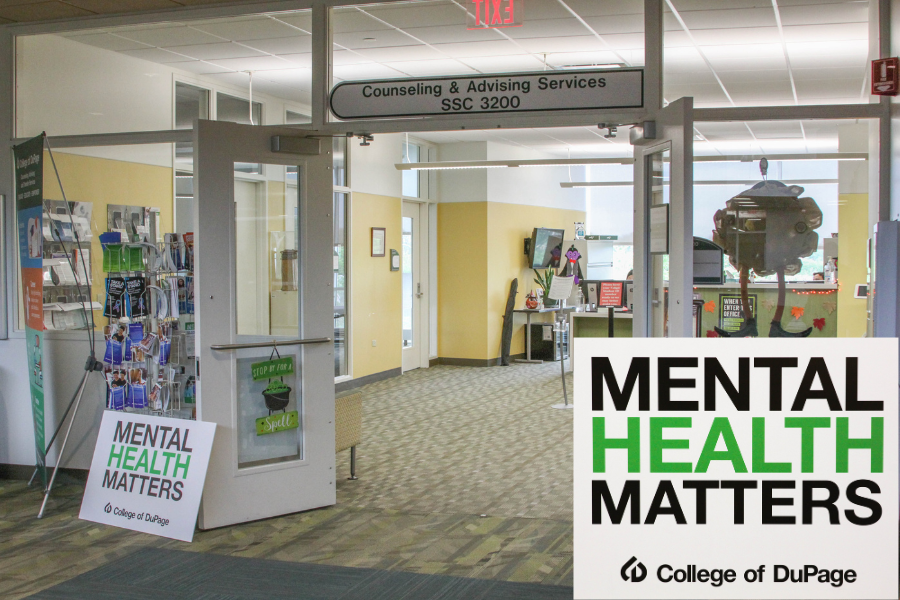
[(731, 53)]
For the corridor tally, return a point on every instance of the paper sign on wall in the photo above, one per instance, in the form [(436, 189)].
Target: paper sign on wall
[(736, 468), (148, 473)]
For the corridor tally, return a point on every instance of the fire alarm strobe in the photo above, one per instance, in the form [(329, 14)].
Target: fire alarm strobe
[(886, 76)]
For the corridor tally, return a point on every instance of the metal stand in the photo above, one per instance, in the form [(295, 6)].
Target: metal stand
[(91, 365), (353, 476), (562, 324)]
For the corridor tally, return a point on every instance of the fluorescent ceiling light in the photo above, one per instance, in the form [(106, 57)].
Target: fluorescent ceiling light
[(601, 66), (496, 164), (742, 182)]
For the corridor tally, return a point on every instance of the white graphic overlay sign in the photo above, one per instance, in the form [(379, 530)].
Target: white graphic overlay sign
[(741, 468)]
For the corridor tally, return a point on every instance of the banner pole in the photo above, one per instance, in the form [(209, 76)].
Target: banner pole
[(62, 449)]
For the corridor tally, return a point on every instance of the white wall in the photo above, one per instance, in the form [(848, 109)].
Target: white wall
[(372, 169), (532, 186), (462, 185)]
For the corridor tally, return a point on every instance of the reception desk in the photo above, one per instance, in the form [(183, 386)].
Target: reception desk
[(806, 305)]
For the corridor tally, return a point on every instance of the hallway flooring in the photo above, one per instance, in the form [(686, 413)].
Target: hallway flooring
[(463, 471)]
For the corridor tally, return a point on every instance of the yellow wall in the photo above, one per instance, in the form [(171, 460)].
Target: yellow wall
[(480, 252), (508, 226), (853, 225), (104, 181), (375, 290), (462, 266)]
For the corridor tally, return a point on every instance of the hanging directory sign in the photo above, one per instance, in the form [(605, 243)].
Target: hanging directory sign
[(480, 94), (29, 169), (736, 468), (148, 473)]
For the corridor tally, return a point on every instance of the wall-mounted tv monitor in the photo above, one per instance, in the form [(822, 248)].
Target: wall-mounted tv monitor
[(546, 248)]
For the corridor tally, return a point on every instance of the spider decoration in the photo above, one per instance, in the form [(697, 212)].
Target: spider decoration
[(769, 229)]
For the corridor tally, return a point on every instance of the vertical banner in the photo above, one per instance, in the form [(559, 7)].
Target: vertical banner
[(736, 468), (29, 169)]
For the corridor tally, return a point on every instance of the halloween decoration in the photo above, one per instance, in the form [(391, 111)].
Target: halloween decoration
[(767, 229), (506, 334), (572, 267)]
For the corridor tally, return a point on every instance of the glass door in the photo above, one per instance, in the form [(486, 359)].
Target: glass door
[(265, 314), (410, 269), (663, 226)]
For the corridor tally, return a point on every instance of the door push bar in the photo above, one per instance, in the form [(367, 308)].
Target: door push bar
[(272, 344)]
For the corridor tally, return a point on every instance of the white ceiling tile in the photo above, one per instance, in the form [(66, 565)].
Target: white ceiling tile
[(677, 39), (301, 60), (157, 55), (623, 41), (243, 29), (285, 92), (449, 34), (830, 54), (737, 35), (576, 43), (341, 58), (844, 12), (401, 53), (543, 10), (701, 92), (380, 39), (705, 77), (764, 76), (547, 28), (299, 19), (177, 35), (486, 48), (298, 78), (425, 68), (592, 8), (778, 130), (829, 88), (290, 45), (351, 20), (725, 18), (825, 33), (617, 24), (419, 15), (564, 59), (504, 64), (365, 71), (254, 63), (822, 72), (107, 41), (216, 51), (199, 67), (755, 92)]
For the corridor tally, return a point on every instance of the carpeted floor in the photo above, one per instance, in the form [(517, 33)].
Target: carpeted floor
[(464, 472), (155, 574)]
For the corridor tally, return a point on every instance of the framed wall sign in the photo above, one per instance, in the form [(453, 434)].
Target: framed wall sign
[(378, 241), (395, 260)]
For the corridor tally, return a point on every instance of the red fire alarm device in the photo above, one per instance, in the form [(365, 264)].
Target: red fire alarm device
[(886, 76)]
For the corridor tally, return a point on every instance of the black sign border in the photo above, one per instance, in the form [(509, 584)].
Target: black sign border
[(414, 80)]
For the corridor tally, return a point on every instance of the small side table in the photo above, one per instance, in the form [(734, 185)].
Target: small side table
[(528, 312)]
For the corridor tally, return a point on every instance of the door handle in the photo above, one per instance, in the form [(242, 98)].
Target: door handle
[(419, 292), (273, 343)]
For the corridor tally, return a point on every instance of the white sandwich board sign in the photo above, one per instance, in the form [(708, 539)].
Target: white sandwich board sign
[(147, 474)]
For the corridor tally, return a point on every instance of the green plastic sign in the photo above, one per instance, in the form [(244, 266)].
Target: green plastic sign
[(278, 422), (272, 368)]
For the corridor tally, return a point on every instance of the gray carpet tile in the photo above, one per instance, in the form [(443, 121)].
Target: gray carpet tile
[(153, 574)]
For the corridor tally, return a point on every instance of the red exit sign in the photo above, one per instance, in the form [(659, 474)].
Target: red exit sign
[(886, 76), (494, 14)]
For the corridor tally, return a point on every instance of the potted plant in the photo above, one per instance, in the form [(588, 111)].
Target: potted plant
[(544, 280)]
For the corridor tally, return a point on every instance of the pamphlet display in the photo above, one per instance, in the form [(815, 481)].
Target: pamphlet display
[(736, 468), (149, 355)]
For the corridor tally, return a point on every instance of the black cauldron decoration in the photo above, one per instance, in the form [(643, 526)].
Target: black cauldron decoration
[(277, 395)]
